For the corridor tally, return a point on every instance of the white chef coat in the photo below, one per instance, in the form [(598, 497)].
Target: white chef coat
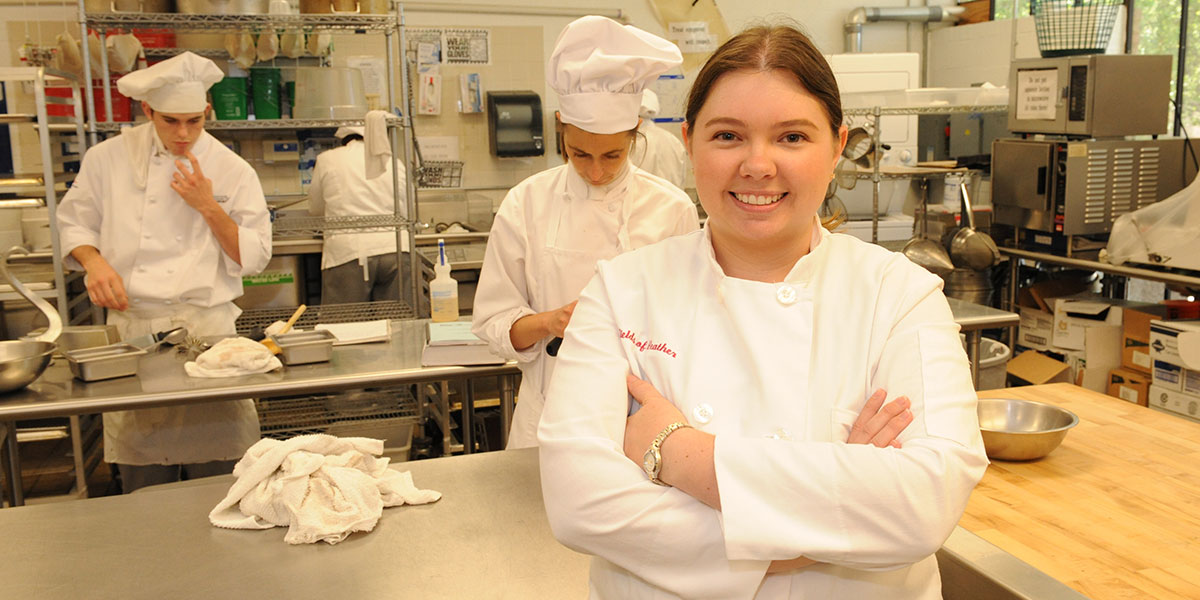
[(175, 272), (161, 247), (661, 153), (778, 372), (340, 188), (543, 247)]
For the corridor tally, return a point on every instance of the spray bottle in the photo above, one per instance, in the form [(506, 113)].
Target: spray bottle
[(443, 290)]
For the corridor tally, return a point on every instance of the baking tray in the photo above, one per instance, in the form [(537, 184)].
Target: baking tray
[(305, 346), (104, 362)]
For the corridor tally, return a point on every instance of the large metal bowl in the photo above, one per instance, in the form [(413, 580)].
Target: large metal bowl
[(1022, 429), (21, 362)]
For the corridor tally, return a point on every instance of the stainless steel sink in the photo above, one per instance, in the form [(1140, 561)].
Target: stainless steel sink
[(974, 569)]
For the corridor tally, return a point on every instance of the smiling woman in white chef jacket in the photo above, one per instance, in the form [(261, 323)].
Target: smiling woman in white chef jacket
[(553, 227), (166, 220), (755, 343)]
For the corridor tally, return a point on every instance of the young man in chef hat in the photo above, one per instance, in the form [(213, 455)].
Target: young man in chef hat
[(166, 220), (553, 227)]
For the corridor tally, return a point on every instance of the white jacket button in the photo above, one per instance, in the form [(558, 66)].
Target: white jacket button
[(702, 413), (786, 294)]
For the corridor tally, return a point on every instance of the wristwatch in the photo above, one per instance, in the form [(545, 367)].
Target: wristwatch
[(652, 460)]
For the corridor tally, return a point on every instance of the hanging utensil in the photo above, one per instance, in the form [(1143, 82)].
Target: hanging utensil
[(925, 252), (22, 361), (970, 248)]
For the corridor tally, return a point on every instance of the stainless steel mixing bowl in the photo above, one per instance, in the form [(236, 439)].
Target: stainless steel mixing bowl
[(1022, 429), (21, 362)]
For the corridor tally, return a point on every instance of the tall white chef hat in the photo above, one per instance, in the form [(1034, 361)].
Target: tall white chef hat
[(177, 85), (342, 132), (649, 105), (599, 69)]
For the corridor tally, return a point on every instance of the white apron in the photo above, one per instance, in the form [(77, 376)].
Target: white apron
[(567, 271), (184, 434)]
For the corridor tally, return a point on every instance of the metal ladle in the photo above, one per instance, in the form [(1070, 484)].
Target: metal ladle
[(926, 252), (970, 248), (173, 337)]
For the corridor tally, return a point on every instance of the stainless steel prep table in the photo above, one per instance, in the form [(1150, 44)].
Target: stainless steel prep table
[(486, 538), (161, 381), (973, 319)]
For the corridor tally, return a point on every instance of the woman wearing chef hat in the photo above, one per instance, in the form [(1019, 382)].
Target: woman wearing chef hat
[(553, 227), (753, 346), (166, 220)]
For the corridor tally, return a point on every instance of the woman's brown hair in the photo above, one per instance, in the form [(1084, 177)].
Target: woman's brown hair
[(769, 48)]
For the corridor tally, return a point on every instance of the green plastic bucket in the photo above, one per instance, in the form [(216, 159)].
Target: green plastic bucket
[(229, 98), (264, 85)]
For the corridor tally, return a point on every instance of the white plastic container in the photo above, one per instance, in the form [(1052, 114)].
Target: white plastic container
[(443, 290)]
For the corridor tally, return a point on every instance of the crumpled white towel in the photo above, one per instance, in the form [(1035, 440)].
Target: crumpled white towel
[(231, 357), (320, 486), (377, 148)]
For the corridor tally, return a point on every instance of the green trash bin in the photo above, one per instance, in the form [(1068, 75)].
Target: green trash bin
[(264, 86), (229, 98)]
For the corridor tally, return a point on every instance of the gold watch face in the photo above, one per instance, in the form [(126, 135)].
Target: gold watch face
[(649, 463)]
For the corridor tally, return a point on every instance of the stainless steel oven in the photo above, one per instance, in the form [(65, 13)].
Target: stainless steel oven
[(1081, 187)]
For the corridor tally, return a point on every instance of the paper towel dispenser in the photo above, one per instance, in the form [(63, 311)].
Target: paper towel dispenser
[(515, 123)]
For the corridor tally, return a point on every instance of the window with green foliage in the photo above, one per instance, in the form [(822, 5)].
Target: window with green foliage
[(1155, 30)]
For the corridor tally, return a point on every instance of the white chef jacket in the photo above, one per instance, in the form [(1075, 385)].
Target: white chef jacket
[(778, 372), (661, 153), (543, 247), (340, 188), (175, 272)]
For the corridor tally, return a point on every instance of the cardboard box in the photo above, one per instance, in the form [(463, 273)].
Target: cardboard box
[(1036, 328), (1072, 316), (1176, 342), (1035, 368), (1176, 402), (1035, 304), (1100, 354), (1129, 385), (1167, 376), (1135, 345)]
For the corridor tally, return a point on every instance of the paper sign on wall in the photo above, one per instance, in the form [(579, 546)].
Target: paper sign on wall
[(467, 47), (1037, 94), (439, 147), (374, 74)]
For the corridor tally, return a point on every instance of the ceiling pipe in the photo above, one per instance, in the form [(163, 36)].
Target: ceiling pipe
[(862, 15)]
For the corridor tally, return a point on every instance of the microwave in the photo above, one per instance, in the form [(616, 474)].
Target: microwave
[(1081, 187), (1098, 95)]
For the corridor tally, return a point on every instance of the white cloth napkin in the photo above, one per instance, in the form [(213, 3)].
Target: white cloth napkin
[(232, 357), (322, 487), (138, 143), (377, 148)]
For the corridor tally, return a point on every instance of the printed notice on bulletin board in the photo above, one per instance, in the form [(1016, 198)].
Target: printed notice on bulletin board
[(425, 44), (467, 47), (1037, 93)]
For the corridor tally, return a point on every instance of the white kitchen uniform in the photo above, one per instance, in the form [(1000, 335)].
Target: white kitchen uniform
[(661, 153), (545, 241), (778, 372), (174, 271), (340, 189)]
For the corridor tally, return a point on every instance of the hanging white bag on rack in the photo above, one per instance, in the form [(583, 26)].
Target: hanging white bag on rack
[(123, 52), (1165, 233), (268, 46), (69, 59), (291, 44), (320, 44)]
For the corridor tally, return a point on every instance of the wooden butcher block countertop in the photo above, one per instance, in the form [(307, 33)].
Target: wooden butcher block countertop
[(1114, 512)]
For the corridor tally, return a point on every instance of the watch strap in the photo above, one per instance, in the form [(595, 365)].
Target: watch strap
[(656, 447)]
